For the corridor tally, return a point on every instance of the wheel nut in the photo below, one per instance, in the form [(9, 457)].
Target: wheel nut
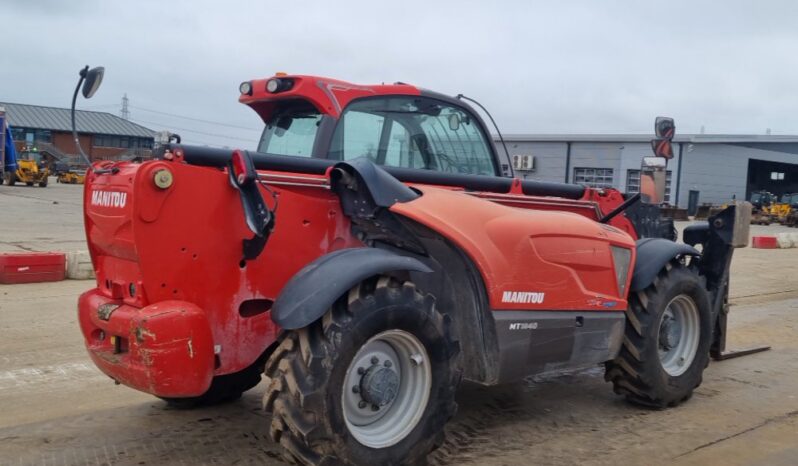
[(355, 389), (375, 360), (388, 364), (361, 371), (362, 404), (375, 408)]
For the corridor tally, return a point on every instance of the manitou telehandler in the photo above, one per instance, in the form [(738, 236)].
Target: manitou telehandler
[(374, 251)]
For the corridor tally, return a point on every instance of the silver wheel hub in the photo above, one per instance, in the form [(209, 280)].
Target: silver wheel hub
[(670, 332), (379, 385), (679, 332), (386, 388)]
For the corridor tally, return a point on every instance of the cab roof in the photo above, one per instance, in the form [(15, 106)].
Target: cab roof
[(329, 96)]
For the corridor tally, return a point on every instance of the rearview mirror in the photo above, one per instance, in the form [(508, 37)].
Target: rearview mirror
[(454, 122), (664, 127), (93, 79), (662, 148)]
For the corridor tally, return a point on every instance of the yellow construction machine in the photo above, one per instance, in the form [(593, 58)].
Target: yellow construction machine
[(71, 177), (32, 168)]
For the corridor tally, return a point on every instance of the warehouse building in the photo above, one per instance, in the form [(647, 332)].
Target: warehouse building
[(706, 168), (102, 135)]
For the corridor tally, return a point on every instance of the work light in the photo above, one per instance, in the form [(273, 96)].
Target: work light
[(276, 85), (245, 88)]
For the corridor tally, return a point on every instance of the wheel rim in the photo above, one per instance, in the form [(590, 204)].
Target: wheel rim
[(386, 388), (679, 332)]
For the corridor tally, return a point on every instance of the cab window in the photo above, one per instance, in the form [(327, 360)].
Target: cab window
[(413, 132), (291, 130)]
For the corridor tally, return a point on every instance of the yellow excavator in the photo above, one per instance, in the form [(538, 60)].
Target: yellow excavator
[(32, 168)]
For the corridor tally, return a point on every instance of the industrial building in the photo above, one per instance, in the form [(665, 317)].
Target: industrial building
[(706, 168), (102, 135)]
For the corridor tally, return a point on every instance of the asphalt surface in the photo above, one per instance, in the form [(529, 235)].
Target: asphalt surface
[(56, 408)]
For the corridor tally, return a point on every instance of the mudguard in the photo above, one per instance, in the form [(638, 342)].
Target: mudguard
[(309, 293), (652, 255)]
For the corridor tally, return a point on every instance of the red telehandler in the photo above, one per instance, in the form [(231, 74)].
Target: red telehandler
[(373, 252)]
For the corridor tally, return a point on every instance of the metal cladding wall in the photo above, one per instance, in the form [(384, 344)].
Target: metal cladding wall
[(718, 170), (551, 159)]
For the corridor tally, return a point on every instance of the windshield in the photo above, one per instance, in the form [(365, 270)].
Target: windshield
[(413, 132), (291, 131)]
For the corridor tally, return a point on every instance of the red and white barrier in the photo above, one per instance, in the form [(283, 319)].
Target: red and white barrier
[(778, 241)]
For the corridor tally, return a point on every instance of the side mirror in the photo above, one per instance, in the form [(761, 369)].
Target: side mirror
[(664, 129), (93, 79), (662, 148), (454, 122)]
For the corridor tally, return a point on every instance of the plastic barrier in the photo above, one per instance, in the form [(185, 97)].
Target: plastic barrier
[(32, 267)]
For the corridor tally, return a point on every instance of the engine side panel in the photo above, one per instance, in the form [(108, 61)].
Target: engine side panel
[(529, 259)]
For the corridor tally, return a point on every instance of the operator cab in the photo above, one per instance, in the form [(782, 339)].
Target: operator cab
[(404, 128)]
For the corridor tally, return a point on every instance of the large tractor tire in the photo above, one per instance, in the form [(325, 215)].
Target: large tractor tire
[(667, 339), (223, 389), (372, 382)]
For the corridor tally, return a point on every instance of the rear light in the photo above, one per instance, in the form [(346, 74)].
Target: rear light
[(621, 257), (276, 85), (242, 169)]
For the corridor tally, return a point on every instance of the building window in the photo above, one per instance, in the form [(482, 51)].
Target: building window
[(633, 183), (121, 142), (593, 177), (30, 135), (777, 176)]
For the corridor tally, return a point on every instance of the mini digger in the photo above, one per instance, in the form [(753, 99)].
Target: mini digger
[(373, 252)]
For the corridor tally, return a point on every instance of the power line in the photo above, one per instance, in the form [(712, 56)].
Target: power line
[(98, 106), (217, 123), (224, 136)]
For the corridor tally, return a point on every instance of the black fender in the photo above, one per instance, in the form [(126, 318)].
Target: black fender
[(652, 255), (309, 293)]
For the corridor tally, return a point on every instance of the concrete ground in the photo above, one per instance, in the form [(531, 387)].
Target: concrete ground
[(56, 408)]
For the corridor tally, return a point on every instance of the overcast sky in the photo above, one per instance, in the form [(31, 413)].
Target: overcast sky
[(540, 67)]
